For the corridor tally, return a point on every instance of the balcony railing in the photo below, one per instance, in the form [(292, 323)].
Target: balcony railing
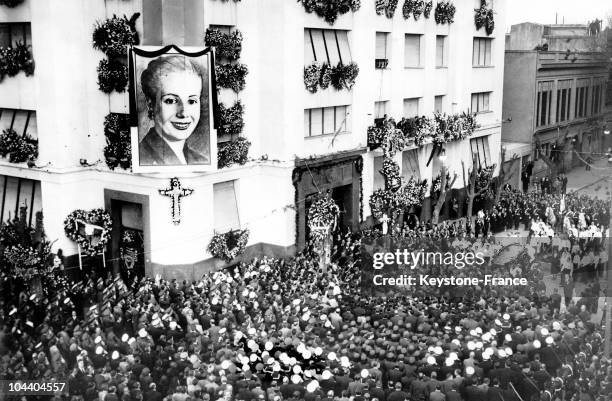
[(552, 60)]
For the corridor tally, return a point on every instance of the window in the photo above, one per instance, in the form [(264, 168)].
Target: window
[(379, 180), (480, 151), (22, 121), (16, 193), (326, 120), (596, 101), (564, 94), (480, 102), (440, 50), (439, 104), (14, 32), (225, 207), (481, 57), (380, 109), (382, 60), (412, 50), (544, 102), (410, 164), (411, 107), (582, 96), (329, 46)]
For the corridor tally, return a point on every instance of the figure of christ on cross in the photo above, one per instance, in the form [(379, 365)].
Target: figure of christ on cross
[(175, 193)]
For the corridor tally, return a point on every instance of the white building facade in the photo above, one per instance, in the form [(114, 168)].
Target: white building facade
[(297, 147)]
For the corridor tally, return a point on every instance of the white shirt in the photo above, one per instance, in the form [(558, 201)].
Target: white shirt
[(177, 147)]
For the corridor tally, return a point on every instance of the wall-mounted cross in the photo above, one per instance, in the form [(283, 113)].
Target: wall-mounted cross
[(175, 193)]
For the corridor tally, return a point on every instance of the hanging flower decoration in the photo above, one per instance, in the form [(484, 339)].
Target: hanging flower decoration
[(18, 148), (114, 35), (382, 202), (483, 17), (118, 149), (414, 7), (112, 75), (391, 173), (453, 127), (445, 12), (229, 245), (10, 3), (484, 177), (227, 46), (312, 77), (385, 135), (322, 213), (16, 59), (341, 76), (231, 76), (329, 10), (417, 129), (428, 8), (233, 152), (413, 193), (231, 119), (386, 7), (78, 224)]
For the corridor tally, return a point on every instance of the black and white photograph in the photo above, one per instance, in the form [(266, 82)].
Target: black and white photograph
[(305, 200)]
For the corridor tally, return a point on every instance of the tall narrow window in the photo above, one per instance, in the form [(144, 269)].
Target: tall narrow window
[(481, 55), (440, 50), (410, 164), (480, 151), (563, 99), (544, 103), (381, 50), (439, 104), (411, 107), (412, 50)]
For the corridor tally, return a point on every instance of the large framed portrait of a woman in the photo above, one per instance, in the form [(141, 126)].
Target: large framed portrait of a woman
[(171, 105)]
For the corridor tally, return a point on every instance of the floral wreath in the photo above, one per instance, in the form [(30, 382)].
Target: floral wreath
[(98, 217), (322, 213), (219, 245)]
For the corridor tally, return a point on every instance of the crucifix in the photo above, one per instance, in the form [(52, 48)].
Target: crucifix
[(175, 193)]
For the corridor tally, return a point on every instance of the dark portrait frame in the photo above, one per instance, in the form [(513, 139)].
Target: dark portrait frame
[(201, 144)]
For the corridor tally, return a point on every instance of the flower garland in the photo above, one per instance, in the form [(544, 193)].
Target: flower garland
[(417, 129), (114, 35), (231, 120), (483, 17), (453, 127), (112, 76), (341, 76), (229, 245), (18, 148), (118, 149), (322, 213), (386, 7), (15, 59), (233, 152), (227, 46), (445, 12), (98, 217), (10, 3), (414, 192), (329, 10), (231, 76)]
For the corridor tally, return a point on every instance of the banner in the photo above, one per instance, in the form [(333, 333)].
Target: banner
[(172, 99)]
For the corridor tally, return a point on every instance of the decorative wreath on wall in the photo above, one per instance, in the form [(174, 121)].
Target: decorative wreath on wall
[(118, 149), (483, 17), (84, 226), (15, 59), (417, 8), (341, 76), (386, 7), (233, 152), (445, 12), (229, 245), (329, 10), (322, 213), (18, 148)]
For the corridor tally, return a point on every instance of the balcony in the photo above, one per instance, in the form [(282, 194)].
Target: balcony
[(562, 60)]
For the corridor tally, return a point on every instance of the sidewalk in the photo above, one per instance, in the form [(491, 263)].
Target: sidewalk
[(590, 181)]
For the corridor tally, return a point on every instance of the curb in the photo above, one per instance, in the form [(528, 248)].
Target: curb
[(588, 185)]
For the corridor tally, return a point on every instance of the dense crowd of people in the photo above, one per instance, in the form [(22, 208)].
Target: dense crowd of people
[(289, 329)]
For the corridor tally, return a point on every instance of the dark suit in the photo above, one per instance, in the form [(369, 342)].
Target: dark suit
[(153, 150)]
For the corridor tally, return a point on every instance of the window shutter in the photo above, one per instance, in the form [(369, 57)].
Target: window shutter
[(412, 51), (343, 45), (328, 120), (332, 46), (440, 51), (225, 207), (319, 45), (410, 165), (381, 45)]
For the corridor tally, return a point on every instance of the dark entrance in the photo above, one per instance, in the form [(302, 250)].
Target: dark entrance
[(127, 245), (341, 176)]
